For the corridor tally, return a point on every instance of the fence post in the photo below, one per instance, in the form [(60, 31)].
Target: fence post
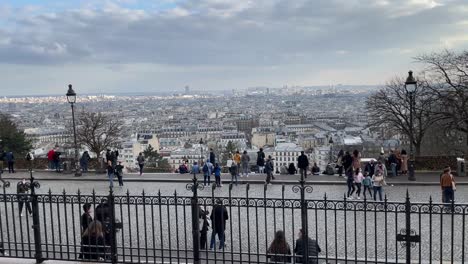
[(305, 226), (195, 219), (36, 222), (408, 227), (113, 229)]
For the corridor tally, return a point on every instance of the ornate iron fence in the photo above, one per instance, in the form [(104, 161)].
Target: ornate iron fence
[(166, 229)]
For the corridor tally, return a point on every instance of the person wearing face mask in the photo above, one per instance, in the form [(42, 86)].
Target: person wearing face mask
[(21, 189)]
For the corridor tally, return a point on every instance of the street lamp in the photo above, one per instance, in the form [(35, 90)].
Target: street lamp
[(201, 150), (330, 142), (410, 86), (71, 98)]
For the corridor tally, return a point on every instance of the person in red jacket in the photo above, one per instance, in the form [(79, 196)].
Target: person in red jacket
[(50, 158)]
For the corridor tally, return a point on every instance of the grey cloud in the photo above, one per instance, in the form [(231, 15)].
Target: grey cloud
[(257, 33)]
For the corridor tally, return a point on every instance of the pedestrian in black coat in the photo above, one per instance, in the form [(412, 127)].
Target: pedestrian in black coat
[(219, 216)]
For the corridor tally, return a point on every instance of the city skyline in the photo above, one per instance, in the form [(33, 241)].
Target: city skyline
[(146, 46)]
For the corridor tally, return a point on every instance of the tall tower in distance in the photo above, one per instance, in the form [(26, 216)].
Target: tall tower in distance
[(187, 89)]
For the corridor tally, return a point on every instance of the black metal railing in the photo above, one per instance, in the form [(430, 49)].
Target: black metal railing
[(166, 229)]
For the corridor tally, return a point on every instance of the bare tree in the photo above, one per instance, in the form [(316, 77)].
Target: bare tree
[(389, 108), (98, 132), (446, 75)]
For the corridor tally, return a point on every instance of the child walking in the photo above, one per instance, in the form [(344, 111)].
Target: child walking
[(367, 182)]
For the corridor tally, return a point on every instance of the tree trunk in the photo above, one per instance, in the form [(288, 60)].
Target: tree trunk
[(100, 165)]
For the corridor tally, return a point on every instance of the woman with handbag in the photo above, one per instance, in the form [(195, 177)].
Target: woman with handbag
[(379, 182)]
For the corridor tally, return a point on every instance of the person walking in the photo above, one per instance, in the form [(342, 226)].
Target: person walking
[(86, 217), (141, 162), (367, 182), (279, 250), (204, 226), (269, 170), (22, 189), (84, 161), (339, 163), (379, 182), (212, 156), (313, 249), (245, 160), (356, 159), (233, 171), (404, 162), (219, 216), (207, 171), (392, 159), (10, 159), (447, 184), (217, 174), (261, 161), (358, 178), (119, 173), (347, 164), (110, 173), (350, 183), (303, 164), (50, 158)]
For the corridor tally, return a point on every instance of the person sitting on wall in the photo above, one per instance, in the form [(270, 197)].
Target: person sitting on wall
[(315, 169)]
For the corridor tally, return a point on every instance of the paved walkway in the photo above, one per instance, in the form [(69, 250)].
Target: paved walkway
[(423, 178)]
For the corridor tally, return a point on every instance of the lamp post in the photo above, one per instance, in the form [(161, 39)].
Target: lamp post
[(330, 142), (201, 150), (410, 86), (71, 98)]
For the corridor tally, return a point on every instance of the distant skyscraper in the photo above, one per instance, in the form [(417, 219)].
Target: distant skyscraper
[(187, 89)]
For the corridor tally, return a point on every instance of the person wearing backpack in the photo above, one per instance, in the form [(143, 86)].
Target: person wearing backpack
[(217, 173), (207, 171), (367, 182)]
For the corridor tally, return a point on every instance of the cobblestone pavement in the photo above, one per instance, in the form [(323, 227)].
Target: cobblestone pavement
[(342, 229)]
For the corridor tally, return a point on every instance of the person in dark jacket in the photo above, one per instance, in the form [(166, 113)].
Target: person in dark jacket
[(22, 189), (261, 161), (292, 169), (110, 173), (279, 250), (10, 159), (84, 161), (315, 169), (212, 156), (119, 173), (86, 218), (93, 243), (392, 160), (370, 168), (313, 249), (219, 216), (303, 164), (57, 160), (269, 166), (204, 226)]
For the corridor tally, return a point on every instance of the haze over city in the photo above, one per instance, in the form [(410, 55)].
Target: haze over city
[(117, 46)]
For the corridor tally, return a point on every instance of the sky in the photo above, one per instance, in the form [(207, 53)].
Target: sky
[(117, 46)]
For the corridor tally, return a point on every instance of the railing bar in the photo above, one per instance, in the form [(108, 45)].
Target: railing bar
[(169, 229), (44, 219), (14, 224), (29, 237), (375, 228), (386, 228), (345, 229), (52, 223), (230, 222), (430, 230), (137, 230), (420, 233), (72, 204), (66, 225), (122, 234), (441, 234), (2, 240), (176, 204), (463, 234), (257, 227), (396, 234), (145, 227), (365, 227), (161, 226), (184, 209), (335, 212), (59, 223), (24, 202), (452, 218), (129, 215), (239, 229)]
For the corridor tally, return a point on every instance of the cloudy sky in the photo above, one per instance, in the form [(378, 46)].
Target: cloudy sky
[(163, 45)]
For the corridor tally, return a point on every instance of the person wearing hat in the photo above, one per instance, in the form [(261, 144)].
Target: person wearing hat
[(119, 173)]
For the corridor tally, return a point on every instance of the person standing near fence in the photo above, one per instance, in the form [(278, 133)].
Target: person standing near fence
[(339, 163), (279, 250), (261, 161), (219, 216), (57, 154), (269, 170), (245, 160), (350, 183), (110, 173), (447, 184), (22, 189), (233, 171), (86, 217), (207, 171), (212, 156), (10, 159), (50, 158), (237, 159), (379, 182), (217, 174), (119, 173), (313, 249), (141, 162), (93, 244), (348, 164), (303, 164), (84, 161)]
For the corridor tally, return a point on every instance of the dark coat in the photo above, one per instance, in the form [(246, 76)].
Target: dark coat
[(9, 157), (314, 249), (269, 166), (370, 169), (302, 161), (219, 216), (347, 161), (86, 219), (261, 158), (92, 247), (212, 157)]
